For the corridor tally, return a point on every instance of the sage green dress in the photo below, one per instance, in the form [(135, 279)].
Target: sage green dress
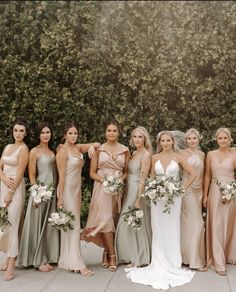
[(133, 247), (39, 241)]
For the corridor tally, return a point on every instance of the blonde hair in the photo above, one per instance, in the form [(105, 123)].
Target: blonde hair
[(158, 140), (147, 140), (193, 131), (226, 131)]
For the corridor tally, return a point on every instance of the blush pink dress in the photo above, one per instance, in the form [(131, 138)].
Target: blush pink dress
[(102, 213)]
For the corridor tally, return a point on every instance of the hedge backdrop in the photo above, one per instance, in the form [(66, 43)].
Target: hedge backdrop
[(162, 65)]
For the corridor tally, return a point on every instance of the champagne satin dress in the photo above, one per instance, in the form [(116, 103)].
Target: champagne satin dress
[(9, 238), (192, 225), (221, 218)]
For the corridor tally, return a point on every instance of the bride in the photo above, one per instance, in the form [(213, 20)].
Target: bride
[(165, 269)]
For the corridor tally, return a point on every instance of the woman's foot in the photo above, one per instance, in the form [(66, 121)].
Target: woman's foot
[(129, 267), (203, 269), (3, 268), (112, 265), (221, 273), (86, 272), (50, 267), (105, 259), (9, 274), (44, 268)]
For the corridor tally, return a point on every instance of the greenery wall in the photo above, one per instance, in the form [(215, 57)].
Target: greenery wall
[(159, 64)]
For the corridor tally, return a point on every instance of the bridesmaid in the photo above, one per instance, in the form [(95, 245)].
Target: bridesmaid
[(134, 247), (192, 225), (70, 162), (12, 167), (40, 242), (221, 219), (110, 159)]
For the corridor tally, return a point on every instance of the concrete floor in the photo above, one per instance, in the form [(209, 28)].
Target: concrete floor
[(30, 280)]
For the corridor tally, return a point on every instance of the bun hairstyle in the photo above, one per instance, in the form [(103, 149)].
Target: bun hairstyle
[(38, 131), (158, 140), (67, 127), (226, 131), (22, 122), (147, 140)]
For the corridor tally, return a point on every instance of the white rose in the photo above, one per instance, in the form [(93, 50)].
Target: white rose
[(112, 189), (139, 214), (228, 197), (33, 187), (33, 193), (48, 195), (37, 199), (41, 190), (152, 195), (55, 217), (105, 183)]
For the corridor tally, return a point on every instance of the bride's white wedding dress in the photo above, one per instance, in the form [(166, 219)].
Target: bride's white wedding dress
[(165, 269)]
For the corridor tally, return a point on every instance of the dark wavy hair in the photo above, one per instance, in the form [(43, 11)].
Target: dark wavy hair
[(38, 130), (22, 122), (67, 127), (114, 123)]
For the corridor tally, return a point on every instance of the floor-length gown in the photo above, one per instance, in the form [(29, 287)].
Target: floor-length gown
[(221, 218), (9, 237), (39, 241), (192, 225), (133, 247), (102, 213), (70, 253), (165, 268)]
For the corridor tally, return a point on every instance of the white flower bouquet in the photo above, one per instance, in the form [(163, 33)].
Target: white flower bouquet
[(40, 192), (62, 219), (163, 188), (134, 218), (113, 185), (227, 190), (4, 222)]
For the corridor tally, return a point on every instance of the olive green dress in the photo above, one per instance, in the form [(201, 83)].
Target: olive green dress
[(39, 241), (133, 247)]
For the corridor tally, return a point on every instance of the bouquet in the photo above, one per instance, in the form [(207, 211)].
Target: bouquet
[(133, 217), (227, 190), (62, 219), (41, 193), (4, 222), (163, 188), (113, 185)]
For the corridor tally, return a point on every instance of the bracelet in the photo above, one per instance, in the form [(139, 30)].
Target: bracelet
[(11, 191)]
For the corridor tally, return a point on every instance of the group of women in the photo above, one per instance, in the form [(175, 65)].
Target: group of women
[(154, 255)]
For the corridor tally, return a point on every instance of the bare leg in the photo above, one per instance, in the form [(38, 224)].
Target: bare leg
[(9, 274), (109, 241), (4, 265)]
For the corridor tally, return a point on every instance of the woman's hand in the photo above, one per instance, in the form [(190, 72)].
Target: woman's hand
[(204, 202), (8, 199), (9, 182), (138, 204), (60, 203), (91, 151)]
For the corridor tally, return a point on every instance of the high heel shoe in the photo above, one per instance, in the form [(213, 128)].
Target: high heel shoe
[(85, 272), (105, 260), (112, 265)]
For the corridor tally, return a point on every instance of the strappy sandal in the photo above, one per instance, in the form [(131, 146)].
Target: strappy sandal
[(203, 269), (87, 272), (112, 265), (221, 273), (44, 268), (9, 274), (105, 259)]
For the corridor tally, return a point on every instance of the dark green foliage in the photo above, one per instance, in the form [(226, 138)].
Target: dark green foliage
[(159, 64)]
